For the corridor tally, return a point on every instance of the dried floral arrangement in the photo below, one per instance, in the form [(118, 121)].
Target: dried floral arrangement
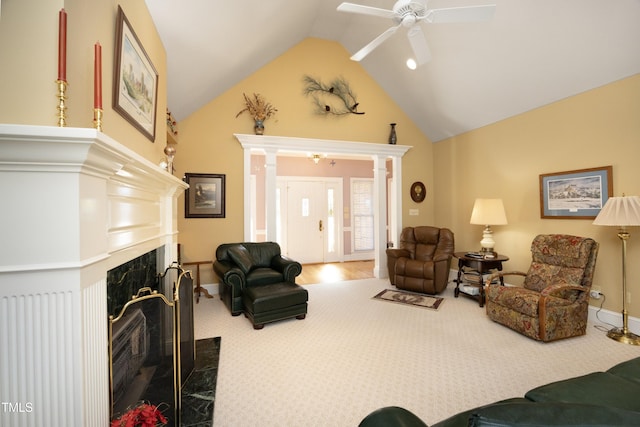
[(172, 126), (337, 90), (143, 415), (257, 107)]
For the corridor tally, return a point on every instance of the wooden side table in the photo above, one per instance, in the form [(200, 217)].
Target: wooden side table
[(477, 266), (198, 290)]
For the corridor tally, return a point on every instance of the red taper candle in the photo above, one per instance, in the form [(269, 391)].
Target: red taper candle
[(62, 45), (97, 77)]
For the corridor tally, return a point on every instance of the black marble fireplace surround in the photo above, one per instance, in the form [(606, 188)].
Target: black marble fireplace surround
[(125, 280), (198, 394)]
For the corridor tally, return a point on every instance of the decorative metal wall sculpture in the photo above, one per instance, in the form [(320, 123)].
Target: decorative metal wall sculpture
[(335, 98)]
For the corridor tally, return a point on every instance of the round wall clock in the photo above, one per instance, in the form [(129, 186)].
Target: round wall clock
[(418, 192)]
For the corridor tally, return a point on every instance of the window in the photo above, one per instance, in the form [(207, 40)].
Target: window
[(331, 222), (362, 211)]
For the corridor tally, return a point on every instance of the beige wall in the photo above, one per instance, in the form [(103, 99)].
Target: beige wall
[(29, 42), (504, 160), (207, 145), (596, 128)]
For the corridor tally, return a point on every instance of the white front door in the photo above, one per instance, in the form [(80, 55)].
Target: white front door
[(305, 214), (311, 226)]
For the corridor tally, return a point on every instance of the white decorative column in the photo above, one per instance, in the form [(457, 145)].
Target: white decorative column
[(395, 210), (380, 217), (76, 204), (270, 194), (247, 195)]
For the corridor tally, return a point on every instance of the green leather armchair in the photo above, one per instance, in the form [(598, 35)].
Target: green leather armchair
[(239, 265)]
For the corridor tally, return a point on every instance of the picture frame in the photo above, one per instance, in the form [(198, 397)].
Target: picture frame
[(577, 194), (135, 85), (205, 197)]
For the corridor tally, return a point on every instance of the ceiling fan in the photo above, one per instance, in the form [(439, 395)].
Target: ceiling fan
[(409, 14)]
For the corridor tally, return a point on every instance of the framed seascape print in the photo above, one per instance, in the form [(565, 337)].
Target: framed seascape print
[(135, 86), (205, 196), (578, 194)]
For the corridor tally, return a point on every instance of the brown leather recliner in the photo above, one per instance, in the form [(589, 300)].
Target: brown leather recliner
[(422, 261)]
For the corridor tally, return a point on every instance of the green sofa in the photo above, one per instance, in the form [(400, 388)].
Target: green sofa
[(610, 398)]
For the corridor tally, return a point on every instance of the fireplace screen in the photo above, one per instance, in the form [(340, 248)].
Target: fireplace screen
[(130, 350), (143, 355)]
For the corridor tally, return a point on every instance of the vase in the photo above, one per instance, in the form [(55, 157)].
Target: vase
[(259, 127), (393, 138)]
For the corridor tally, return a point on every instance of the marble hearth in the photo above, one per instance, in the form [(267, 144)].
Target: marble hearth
[(76, 203)]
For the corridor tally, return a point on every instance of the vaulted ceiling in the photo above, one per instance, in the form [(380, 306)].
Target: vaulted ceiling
[(532, 53)]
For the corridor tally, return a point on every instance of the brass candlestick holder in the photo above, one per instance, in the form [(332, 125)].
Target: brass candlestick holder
[(62, 89), (97, 119)]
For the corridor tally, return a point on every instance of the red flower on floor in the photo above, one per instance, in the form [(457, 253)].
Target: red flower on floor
[(143, 415)]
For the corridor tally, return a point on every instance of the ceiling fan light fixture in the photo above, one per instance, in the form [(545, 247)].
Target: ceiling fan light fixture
[(411, 64), (409, 21)]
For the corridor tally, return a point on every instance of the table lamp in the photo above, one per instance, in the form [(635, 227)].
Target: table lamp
[(488, 212), (622, 212)]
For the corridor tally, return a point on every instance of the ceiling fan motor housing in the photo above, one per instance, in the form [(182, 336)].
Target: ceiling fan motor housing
[(409, 12), (403, 8)]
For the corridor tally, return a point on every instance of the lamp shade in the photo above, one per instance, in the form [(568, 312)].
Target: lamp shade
[(620, 211), (488, 212)]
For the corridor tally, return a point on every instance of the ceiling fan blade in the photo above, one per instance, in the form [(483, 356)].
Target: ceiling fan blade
[(359, 55), (419, 45), (461, 14), (366, 10)]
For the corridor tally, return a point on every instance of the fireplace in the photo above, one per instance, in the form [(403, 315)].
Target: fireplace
[(151, 338), (81, 204)]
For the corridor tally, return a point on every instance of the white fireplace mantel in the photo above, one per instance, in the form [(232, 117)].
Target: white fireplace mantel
[(76, 203)]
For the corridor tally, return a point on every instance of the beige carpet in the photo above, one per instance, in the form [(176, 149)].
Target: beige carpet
[(353, 354)]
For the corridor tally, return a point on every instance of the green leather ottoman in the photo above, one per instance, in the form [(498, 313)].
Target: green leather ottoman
[(277, 301)]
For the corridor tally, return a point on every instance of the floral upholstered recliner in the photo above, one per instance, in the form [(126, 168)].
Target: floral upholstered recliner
[(553, 302)]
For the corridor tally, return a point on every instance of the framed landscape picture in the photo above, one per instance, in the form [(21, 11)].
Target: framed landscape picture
[(135, 86), (205, 196), (578, 194)]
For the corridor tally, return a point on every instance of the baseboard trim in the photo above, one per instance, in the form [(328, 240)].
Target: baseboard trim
[(609, 319), (212, 288), (358, 256)]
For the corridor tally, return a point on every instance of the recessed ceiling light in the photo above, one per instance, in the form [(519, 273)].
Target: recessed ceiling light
[(411, 64)]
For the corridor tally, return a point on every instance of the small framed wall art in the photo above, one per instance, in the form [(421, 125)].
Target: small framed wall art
[(205, 197), (578, 194), (135, 86)]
